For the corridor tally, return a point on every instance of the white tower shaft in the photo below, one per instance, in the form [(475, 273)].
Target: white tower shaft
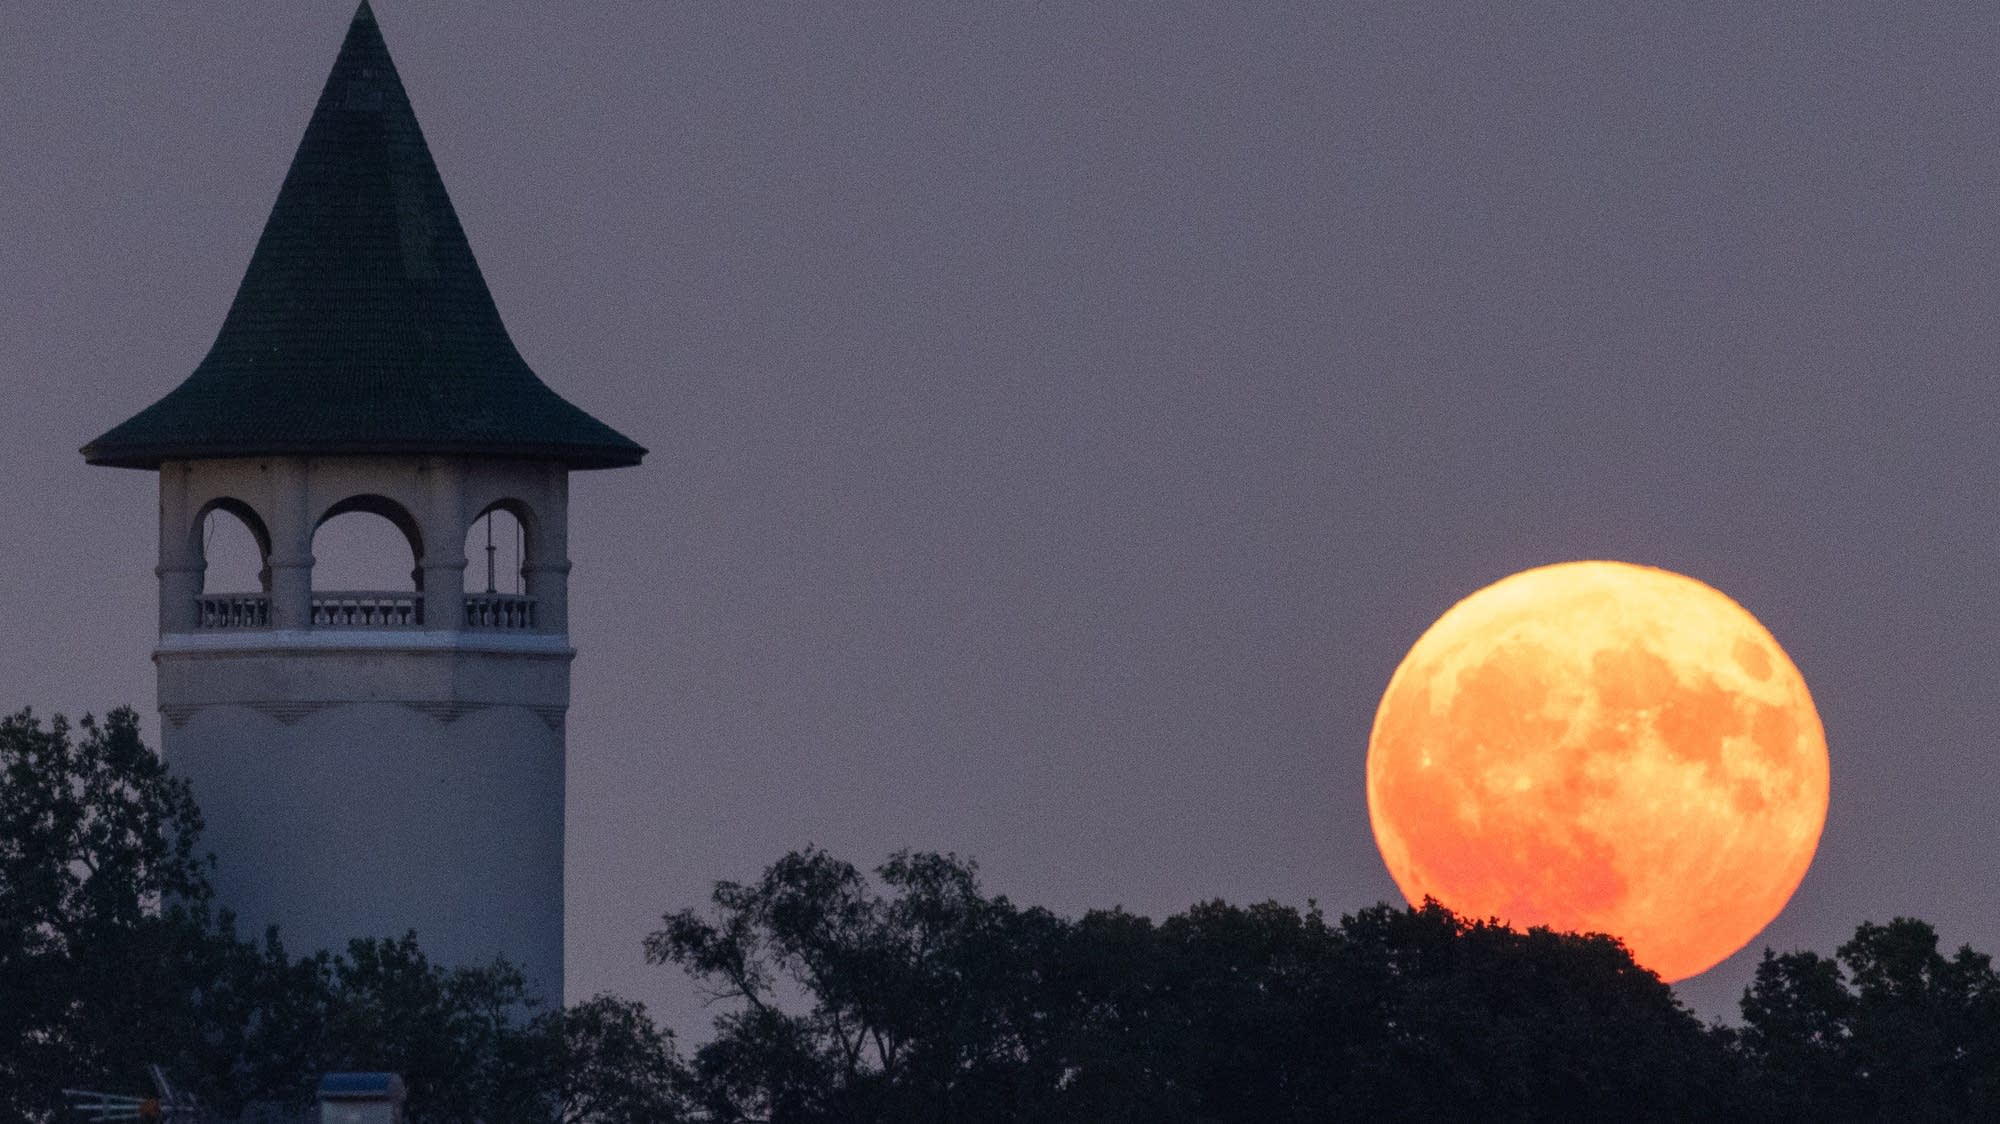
[(370, 764)]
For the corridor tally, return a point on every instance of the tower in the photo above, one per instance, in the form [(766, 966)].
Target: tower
[(370, 762)]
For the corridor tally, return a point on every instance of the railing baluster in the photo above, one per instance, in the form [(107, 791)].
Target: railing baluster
[(361, 609), (503, 611), (367, 609), (214, 611)]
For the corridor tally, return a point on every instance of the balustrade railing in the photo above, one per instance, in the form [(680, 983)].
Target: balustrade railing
[(367, 609), (233, 610), (499, 610)]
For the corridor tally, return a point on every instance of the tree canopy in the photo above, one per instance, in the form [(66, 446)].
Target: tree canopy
[(112, 957), (936, 1002), (909, 994), (104, 961)]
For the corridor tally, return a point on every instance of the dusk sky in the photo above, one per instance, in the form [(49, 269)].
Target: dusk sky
[(1064, 417)]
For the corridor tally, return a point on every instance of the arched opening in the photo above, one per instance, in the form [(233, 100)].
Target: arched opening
[(496, 548), (234, 549), (367, 543), (497, 551), (366, 565)]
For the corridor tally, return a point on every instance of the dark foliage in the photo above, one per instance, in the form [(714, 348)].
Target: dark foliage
[(111, 958), (914, 996), (105, 961), (932, 1004), (938, 1003), (616, 1067), (1890, 1030)]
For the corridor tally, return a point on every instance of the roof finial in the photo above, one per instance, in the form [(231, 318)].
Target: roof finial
[(364, 12)]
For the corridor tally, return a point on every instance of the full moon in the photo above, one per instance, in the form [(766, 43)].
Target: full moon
[(1601, 747)]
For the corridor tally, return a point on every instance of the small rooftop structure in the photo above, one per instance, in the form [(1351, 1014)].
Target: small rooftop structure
[(362, 325), (361, 1098)]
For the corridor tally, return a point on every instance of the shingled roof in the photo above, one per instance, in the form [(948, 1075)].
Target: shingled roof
[(363, 324)]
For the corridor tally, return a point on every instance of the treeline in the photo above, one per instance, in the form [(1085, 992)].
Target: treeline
[(915, 996)]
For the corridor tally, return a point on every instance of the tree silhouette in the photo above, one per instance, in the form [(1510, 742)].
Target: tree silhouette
[(914, 996), (934, 1002), (105, 963), (111, 958), (1891, 1030)]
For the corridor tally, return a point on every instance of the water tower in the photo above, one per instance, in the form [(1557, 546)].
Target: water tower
[(371, 761)]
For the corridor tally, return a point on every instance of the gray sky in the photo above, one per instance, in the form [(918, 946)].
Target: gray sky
[(1065, 416)]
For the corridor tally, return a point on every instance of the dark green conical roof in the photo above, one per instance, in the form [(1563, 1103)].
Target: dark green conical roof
[(362, 324)]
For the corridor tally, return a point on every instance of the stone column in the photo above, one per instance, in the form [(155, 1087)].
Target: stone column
[(546, 570), (443, 563), (291, 544), (181, 566)]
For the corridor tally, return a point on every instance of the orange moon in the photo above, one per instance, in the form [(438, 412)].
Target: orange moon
[(1601, 747)]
